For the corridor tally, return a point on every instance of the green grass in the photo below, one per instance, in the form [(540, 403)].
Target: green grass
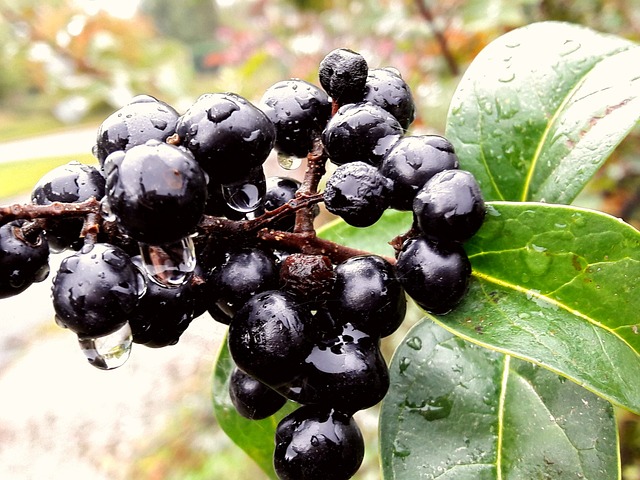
[(19, 177)]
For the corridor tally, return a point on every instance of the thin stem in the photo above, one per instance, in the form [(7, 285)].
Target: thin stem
[(57, 209), (440, 37)]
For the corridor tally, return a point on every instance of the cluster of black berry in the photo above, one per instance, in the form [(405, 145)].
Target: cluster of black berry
[(180, 219)]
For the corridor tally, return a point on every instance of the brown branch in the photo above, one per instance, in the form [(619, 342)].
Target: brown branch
[(30, 212), (440, 37)]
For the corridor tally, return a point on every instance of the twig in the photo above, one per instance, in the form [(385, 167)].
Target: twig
[(426, 13)]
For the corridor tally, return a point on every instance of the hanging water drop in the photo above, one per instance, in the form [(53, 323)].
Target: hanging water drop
[(109, 351), (246, 195), (289, 162), (169, 265)]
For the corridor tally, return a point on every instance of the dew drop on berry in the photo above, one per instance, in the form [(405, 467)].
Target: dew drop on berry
[(289, 162), (109, 351), (169, 265), (243, 197)]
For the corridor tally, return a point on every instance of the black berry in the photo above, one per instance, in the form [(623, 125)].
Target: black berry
[(343, 74)]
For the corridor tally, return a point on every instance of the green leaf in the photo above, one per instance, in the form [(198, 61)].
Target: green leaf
[(558, 286), (255, 437), (456, 411), (541, 108)]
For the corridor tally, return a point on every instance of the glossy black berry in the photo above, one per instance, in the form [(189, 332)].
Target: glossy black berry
[(361, 132), (450, 206), (346, 372), (279, 191), (70, 183), (299, 111), (343, 74), (144, 118), (151, 185), (162, 314), (267, 337), (368, 295), (435, 274), (22, 261), (95, 290), (238, 275), (387, 89), (412, 161), (227, 135), (317, 443), (253, 399), (358, 193)]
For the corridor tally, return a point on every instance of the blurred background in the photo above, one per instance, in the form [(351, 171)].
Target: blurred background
[(67, 64)]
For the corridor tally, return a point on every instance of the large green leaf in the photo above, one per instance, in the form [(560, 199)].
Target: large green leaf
[(542, 107), (255, 437), (456, 411), (558, 286)]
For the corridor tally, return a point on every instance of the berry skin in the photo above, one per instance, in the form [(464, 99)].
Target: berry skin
[(412, 162), (317, 443), (21, 262), (95, 290), (144, 118), (361, 132), (238, 275), (227, 135), (450, 206), (358, 193), (343, 74), (368, 295), (386, 88), (70, 183), (435, 275), (162, 314), (267, 337), (279, 191), (346, 372), (152, 183), (253, 399), (299, 111)]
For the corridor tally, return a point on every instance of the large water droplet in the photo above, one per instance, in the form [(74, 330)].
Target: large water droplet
[(289, 162), (414, 343), (404, 364), (243, 197), (109, 351), (400, 450), (169, 265), (105, 210)]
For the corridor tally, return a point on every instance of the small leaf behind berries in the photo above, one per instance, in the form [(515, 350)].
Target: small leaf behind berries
[(541, 108), (456, 411), (255, 437)]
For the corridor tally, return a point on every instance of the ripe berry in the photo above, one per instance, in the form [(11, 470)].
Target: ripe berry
[(343, 74), (95, 290), (238, 275), (299, 111), (412, 162), (144, 118), (346, 372), (450, 206), (162, 314), (22, 262), (70, 183), (267, 337), (361, 132), (317, 443), (386, 88), (435, 275), (368, 295), (358, 193), (227, 135), (152, 183), (253, 399)]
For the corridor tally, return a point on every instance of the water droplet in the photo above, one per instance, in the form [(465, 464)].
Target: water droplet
[(506, 77), (109, 351), (431, 409), (569, 47), (243, 197), (400, 450), (105, 210), (169, 265), (404, 364), (415, 343), (289, 162)]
